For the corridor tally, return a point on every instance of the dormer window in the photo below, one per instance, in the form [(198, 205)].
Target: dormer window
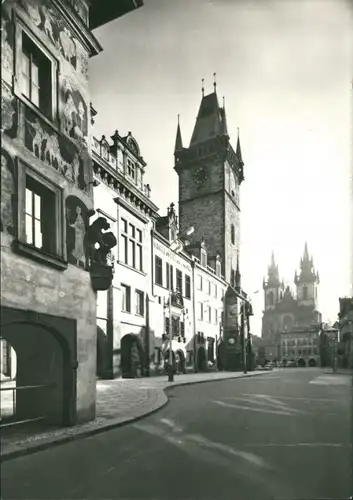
[(131, 169), (203, 258)]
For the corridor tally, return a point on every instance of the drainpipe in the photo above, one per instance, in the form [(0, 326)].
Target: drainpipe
[(194, 314)]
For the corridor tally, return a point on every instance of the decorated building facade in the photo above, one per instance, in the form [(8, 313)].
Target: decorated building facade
[(153, 281), (53, 257), (291, 323)]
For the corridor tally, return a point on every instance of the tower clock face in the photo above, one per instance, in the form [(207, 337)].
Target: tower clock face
[(200, 176)]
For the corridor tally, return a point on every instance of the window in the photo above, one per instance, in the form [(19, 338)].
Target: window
[(159, 271), (182, 328), (200, 311), (171, 278), (131, 168), (140, 303), (208, 287), (187, 287), (209, 314), (40, 223), (215, 291), (131, 245), (232, 234), (167, 275), (305, 292), (125, 298), (199, 282), (36, 76), (179, 281), (216, 316), (203, 258)]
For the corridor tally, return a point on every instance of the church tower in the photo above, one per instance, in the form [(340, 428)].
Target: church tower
[(272, 286), (210, 173), (307, 281)]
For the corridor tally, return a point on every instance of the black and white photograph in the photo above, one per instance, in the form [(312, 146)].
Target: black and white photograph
[(176, 250)]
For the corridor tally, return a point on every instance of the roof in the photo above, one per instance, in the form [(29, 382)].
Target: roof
[(210, 120), (103, 11)]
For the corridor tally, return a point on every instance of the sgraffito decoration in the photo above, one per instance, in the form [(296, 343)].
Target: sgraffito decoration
[(7, 190), (9, 114), (45, 18), (7, 37), (75, 113), (77, 223), (54, 150)]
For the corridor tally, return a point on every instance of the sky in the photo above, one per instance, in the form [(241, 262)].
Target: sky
[(285, 69)]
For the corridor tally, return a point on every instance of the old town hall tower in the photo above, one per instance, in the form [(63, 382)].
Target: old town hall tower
[(210, 173)]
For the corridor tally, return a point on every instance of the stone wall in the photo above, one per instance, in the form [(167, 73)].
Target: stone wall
[(55, 148)]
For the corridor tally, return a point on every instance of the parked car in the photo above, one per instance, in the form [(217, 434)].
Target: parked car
[(291, 364)]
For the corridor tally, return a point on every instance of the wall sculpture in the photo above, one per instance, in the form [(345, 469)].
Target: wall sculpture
[(54, 150), (7, 189)]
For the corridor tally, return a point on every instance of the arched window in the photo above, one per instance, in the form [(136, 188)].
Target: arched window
[(305, 292), (232, 234), (271, 298)]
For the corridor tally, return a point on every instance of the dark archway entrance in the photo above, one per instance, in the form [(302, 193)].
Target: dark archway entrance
[(201, 360), (301, 362), (220, 356), (131, 356), (43, 373), (312, 362), (102, 369), (179, 361)]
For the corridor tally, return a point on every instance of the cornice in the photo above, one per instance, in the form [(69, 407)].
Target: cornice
[(79, 28), (116, 181)]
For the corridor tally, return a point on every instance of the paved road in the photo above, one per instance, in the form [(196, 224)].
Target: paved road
[(282, 436)]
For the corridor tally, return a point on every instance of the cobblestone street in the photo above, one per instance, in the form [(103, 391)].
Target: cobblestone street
[(119, 401)]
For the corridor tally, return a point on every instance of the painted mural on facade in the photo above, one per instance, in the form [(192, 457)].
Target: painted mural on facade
[(54, 150), (74, 112), (9, 111), (7, 189)]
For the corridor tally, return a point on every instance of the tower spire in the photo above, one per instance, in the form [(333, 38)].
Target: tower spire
[(178, 140), (214, 82), (237, 275), (238, 150), (203, 87)]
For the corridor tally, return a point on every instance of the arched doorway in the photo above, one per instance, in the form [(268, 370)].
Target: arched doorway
[(301, 362), (8, 362), (102, 354), (179, 361), (312, 362), (43, 372), (201, 360), (131, 356)]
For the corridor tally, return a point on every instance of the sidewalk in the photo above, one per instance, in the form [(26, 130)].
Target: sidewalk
[(119, 402)]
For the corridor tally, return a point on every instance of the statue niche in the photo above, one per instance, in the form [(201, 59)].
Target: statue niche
[(100, 242), (76, 216)]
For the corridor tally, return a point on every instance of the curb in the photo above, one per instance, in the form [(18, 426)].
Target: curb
[(59, 440)]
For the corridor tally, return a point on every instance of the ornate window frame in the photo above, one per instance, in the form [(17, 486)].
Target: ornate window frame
[(57, 259), (21, 27)]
